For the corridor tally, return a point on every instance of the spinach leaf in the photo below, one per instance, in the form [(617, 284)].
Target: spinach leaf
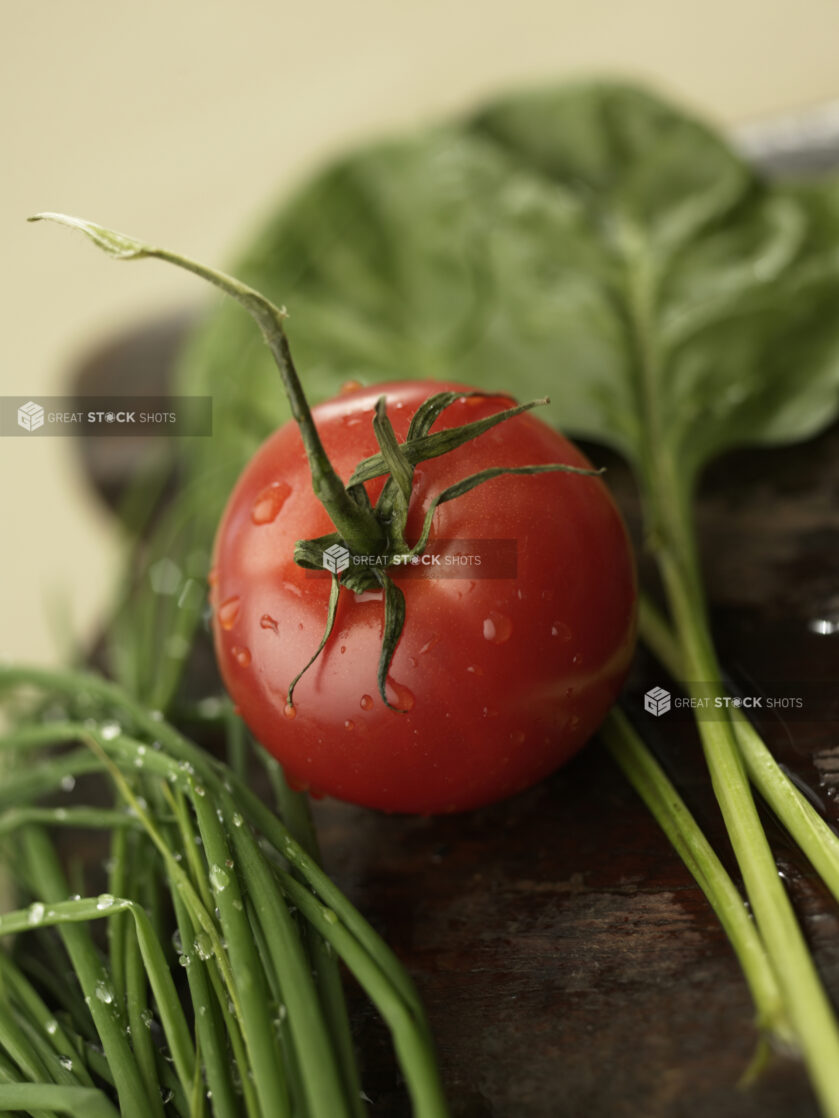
[(588, 242)]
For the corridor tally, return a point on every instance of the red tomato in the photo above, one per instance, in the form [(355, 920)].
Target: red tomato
[(498, 681)]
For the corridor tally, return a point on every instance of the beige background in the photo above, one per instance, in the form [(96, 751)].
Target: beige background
[(180, 121)]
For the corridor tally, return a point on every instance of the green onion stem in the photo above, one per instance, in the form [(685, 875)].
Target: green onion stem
[(648, 779), (128, 1081), (210, 1029), (256, 1020), (295, 811), (807, 1005), (316, 1058), (416, 1056), (818, 841), (227, 810)]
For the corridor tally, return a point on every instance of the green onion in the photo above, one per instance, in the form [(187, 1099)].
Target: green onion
[(232, 1022)]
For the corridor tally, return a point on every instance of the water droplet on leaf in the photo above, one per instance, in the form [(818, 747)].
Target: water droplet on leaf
[(104, 993), (219, 878), (203, 946)]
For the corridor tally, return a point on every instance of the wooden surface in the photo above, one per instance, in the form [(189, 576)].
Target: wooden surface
[(569, 964)]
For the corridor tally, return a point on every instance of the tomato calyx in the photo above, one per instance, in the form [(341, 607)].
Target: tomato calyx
[(360, 528), (396, 462)]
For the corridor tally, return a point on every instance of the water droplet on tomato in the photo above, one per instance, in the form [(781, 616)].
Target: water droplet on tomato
[(349, 724), (366, 702), (490, 712), (241, 655), (475, 669), (267, 505), (577, 658), (497, 628), (352, 419), (228, 611), (343, 649), (290, 711), (399, 695), (560, 630), (432, 641), (268, 622), (350, 386)]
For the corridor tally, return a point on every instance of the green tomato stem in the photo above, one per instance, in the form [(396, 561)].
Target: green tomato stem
[(359, 528)]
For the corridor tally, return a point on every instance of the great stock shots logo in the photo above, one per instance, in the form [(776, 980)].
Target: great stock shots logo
[(336, 559), (657, 701), (30, 416), (111, 416)]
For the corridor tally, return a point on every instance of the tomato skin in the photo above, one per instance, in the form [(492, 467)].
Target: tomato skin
[(499, 681)]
